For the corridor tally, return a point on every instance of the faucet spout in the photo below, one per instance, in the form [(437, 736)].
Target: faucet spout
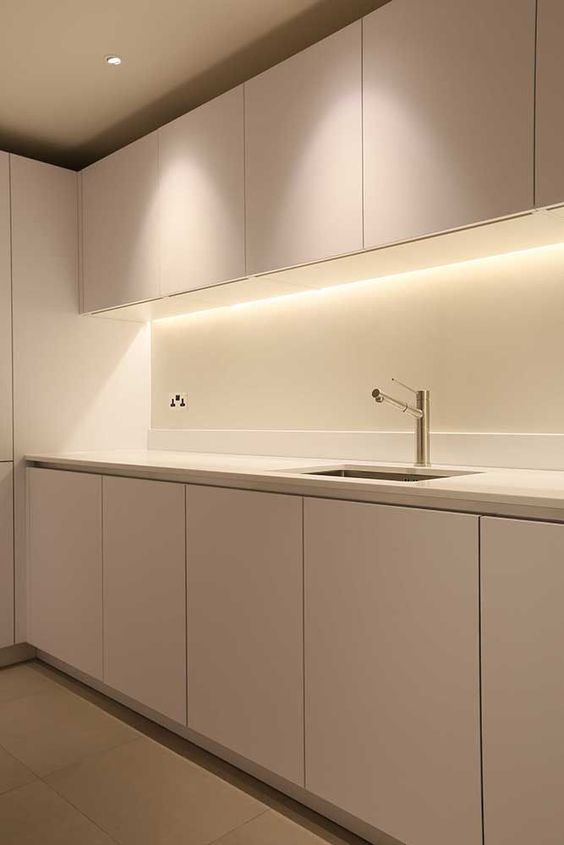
[(381, 397), (421, 413)]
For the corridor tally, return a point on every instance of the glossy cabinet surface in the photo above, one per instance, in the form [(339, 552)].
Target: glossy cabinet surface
[(549, 111), (245, 612), (144, 593), (523, 681), (392, 668), (120, 231), (65, 566), (6, 555), (303, 140), (202, 196), (448, 91), (5, 313)]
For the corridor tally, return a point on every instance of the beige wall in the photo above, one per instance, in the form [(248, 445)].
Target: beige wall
[(487, 337)]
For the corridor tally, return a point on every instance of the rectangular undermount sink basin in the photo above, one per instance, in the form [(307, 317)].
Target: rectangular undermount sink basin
[(399, 474)]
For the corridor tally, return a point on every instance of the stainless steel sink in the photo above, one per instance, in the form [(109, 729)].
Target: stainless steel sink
[(385, 474)]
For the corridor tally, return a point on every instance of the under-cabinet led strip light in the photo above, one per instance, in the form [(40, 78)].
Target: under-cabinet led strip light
[(490, 259)]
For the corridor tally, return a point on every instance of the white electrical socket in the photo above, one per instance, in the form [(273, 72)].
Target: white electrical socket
[(178, 401)]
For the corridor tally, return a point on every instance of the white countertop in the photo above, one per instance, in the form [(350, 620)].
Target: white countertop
[(535, 494)]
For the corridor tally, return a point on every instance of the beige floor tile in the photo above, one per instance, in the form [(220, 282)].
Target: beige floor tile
[(144, 794), (36, 815), (12, 773), (271, 829), (17, 681), (56, 729)]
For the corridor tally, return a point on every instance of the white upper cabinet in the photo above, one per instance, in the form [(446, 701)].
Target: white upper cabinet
[(120, 233), (448, 114), (550, 111), (5, 313), (202, 196), (417, 119), (523, 681), (303, 147), (392, 731)]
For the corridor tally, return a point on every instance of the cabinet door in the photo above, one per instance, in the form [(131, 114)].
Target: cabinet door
[(202, 196), (550, 114), (65, 566), (6, 555), (392, 668), (523, 681), (145, 593), (120, 256), (448, 115), (245, 626), (5, 314), (304, 155)]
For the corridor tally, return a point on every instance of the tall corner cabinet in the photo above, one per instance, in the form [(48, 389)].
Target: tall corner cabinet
[(6, 456)]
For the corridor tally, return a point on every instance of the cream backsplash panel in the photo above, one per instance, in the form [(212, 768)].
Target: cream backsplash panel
[(485, 336)]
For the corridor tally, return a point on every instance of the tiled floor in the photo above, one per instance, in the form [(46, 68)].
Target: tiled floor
[(78, 769)]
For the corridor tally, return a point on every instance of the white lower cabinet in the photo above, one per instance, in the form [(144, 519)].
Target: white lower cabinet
[(155, 587), (65, 566), (392, 668), (145, 593), (245, 617), (6, 555), (523, 681)]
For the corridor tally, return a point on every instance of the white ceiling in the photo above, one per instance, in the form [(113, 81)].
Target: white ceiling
[(60, 101)]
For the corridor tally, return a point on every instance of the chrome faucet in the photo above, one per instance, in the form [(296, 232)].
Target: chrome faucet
[(421, 412)]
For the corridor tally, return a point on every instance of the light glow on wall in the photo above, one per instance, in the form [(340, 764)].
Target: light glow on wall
[(493, 261)]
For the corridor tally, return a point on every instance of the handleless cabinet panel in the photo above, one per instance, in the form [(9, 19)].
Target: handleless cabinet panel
[(65, 566), (5, 313), (6, 555), (392, 668), (448, 115), (202, 196), (550, 110), (523, 681), (304, 155), (245, 624), (145, 593), (120, 232)]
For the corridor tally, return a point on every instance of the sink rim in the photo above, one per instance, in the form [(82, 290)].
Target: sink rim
[(377, 472)]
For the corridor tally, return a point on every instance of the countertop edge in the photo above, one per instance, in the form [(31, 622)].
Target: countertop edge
[(531, 505)]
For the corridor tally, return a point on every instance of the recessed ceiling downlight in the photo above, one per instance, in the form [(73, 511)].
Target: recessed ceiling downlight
[(113, 60)]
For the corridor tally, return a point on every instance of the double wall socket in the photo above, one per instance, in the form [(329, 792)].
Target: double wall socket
[(178, 400)]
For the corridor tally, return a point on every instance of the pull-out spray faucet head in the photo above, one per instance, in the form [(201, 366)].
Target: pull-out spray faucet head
[(381, 398)]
